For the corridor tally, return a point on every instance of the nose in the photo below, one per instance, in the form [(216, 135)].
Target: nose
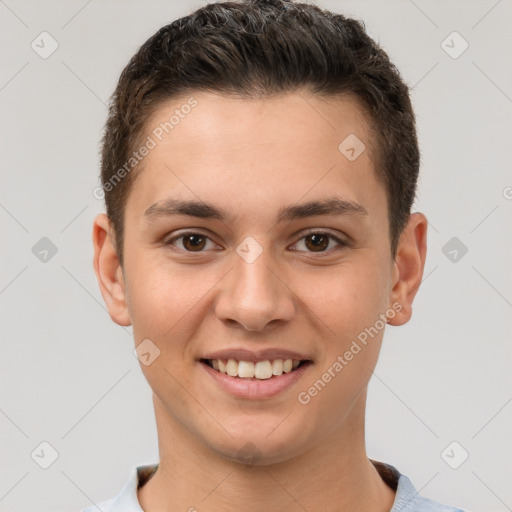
[(254, 294)]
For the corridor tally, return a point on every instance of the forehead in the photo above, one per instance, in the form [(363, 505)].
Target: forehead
[(219, 123), (266, 150)]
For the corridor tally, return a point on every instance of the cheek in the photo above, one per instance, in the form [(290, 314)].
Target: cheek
[(167, 305), (348, 298), (170, 304), (163, 298), (349, 301)]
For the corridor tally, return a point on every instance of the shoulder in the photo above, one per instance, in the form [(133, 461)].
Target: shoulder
[(127, 500), (104, 506), (421, 504), (408, 500)]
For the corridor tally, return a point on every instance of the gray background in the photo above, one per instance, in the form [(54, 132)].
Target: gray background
[(68, 375)]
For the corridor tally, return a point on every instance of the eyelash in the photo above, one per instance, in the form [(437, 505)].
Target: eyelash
[(341, 243)]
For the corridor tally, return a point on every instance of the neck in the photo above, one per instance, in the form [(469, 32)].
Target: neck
[(332, 475)]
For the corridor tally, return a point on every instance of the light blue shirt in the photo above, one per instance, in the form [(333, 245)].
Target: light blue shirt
[(406, 499)]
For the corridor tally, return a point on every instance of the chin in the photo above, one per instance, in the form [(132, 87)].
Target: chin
[(262, 443)]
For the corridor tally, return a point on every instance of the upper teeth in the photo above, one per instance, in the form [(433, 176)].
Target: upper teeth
[(260, 370)]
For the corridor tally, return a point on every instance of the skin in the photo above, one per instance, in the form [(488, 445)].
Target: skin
[(252, 157)]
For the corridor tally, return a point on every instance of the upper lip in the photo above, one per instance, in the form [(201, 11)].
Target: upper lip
[(241, 354)]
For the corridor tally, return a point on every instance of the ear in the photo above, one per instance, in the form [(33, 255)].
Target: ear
[(109, 271), (408, 267)]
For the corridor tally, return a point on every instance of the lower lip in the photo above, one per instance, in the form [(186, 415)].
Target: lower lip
[(254, 388)]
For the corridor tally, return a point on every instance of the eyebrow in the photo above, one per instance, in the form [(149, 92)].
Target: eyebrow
[(329, 206)]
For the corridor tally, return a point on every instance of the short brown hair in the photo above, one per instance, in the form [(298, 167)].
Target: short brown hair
[(256, 49)]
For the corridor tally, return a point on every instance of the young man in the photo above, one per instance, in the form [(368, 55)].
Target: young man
[(259, 166)]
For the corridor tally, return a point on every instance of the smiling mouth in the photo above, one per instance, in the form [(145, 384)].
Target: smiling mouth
[(260, 370)]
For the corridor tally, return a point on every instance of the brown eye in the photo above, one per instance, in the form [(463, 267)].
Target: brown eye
[(194, 242), (317, 242), (190, 242)]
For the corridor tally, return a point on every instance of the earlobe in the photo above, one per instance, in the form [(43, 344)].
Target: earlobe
[(408, 267), (108, 271)]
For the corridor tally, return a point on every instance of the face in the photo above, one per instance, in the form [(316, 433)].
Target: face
[(284, 255)]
